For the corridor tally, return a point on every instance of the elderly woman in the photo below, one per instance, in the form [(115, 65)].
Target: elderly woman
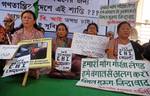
[(9, 26), (123, 48)]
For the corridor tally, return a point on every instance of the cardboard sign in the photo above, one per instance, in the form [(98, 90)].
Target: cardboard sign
[(17, 65), (64, 59), (89, 45), (8, 51), (116, 75), (114, 14)]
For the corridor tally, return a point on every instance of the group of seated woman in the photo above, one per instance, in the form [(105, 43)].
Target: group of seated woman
[(118, 48), (61, 40)]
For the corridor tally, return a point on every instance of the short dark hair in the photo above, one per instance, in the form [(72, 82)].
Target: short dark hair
[(94, 25), (120, 24), (147, 52)]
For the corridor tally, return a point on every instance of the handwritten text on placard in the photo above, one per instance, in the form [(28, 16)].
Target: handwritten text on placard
[(116, 75)]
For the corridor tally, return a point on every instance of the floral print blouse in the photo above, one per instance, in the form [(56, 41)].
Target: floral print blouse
[(21, 35)]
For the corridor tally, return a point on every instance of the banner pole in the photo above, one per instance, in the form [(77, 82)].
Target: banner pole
[(25, 78)]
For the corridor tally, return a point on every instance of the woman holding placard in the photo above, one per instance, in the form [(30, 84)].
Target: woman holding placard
[(28, 30), (123, 48), (61, 40), (92, 29)]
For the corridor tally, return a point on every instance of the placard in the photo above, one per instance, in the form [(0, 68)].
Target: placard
[(17, 65), (114, 14), (8, 51), (63, 59), (116, 75), (89, 45)]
